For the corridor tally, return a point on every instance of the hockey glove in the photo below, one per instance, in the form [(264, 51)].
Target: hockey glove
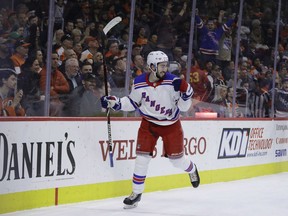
[(180, 85), (111, 102)]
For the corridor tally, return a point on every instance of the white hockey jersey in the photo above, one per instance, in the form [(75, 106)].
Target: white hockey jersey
[(157, 102)]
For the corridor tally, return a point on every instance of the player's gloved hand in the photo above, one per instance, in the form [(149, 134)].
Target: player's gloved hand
[(182, 86), (111, 102)]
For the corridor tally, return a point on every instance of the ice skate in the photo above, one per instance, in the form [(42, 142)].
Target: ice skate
[(132, 200), (194, 178)]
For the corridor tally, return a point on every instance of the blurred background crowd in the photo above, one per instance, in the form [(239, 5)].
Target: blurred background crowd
[(236, 69)]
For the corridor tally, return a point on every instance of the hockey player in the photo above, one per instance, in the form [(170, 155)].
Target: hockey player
[(159, 96)]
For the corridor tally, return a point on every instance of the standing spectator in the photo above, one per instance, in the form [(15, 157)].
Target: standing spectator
[(9, 102), (159, 96), (210, 36), (167, 33), (58, 86), (20, 55), (225, 49)]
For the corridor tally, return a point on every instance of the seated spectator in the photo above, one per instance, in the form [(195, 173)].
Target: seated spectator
[(100, 75), (138, 66), (58, 86), (85, 99), (9, 100), (29, 82), (72, 74), (119, 73), (215, 79), (5, 61), (113, 50), (66, 43), (21, 53), (91, 50), (142, 39), (86, 67), (150, 46)]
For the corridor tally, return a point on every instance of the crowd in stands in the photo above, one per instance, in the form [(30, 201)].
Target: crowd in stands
[(80, 46)]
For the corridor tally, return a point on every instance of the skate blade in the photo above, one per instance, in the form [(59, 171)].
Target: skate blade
[(131, 206)]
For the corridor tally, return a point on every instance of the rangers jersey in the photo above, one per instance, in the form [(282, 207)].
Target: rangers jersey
[(157, 102)]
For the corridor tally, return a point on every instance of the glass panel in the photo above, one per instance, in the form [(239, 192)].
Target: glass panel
[(235, 70)]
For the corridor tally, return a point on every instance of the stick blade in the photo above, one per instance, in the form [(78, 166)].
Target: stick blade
[(111, 24)]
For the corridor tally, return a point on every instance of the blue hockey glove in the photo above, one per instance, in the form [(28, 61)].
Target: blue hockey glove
[(180, 85), (111, 102)]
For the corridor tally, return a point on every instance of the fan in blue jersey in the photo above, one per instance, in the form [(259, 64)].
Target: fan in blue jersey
[(159, 96), (210, 36)]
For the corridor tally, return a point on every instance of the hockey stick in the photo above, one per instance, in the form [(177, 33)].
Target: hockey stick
[(106, 29)]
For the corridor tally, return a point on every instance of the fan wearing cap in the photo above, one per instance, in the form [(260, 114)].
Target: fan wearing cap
[(20, 54), (92, 45), (66, 43), (85, 99)]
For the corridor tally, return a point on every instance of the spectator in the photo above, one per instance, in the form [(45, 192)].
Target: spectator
[(69, 26), (68, 53), (210, 36), (113, 50), (72, 73), (138, 66), (66, 43), (119, 73), (150, 46), (77, 36), (141, 39), (20, 55), (167, 33), (58, 34), (86, 67), (29, 82), (281, 100), (92, 48), (100, 75), (78, 49), (85, 99), (9, 102), (215, 79), (58, 86), (200, 83), (5, 61)]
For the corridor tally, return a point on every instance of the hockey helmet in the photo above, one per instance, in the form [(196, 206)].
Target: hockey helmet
[(156, 57)]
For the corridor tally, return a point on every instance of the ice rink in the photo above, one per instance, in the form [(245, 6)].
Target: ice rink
[(261, 196)]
